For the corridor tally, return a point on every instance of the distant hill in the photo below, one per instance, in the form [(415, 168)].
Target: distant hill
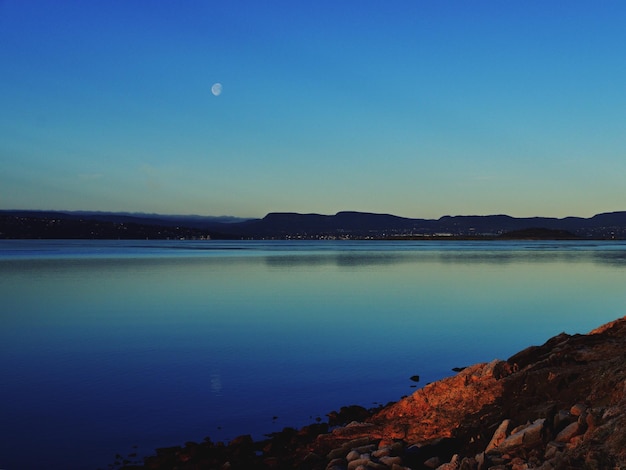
[(280, 225), (105, 225), (369, 225), (195, 221)]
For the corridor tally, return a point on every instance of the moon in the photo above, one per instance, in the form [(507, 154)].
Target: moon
[(216, 89)]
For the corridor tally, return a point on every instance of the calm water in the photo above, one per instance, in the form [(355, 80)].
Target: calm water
[(105, 345)]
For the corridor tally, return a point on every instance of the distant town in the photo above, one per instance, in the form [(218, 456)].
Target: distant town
[(294, 226)]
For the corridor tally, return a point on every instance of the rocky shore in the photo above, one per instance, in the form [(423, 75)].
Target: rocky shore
[(561, 405)]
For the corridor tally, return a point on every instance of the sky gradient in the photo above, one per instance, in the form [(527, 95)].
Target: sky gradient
[(416, 108)]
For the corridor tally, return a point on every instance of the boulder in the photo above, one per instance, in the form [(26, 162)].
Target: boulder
[(568, 432), (526, 437), (499, 435)]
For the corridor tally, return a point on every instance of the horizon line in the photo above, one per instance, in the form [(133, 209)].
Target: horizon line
[(243, 218)]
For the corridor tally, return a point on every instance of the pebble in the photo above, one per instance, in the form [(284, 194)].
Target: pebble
[(382, 452), (336, 464), (389, 461), (354, 464), (454, 463), (551, 450), (562, 417), (366, 449), (432, 462), (568, 432), (577, 409), (399, 467)]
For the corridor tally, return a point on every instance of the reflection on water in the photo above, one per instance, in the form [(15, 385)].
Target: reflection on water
[(614, 258), (112, 344), (532, 254), (216, 384)]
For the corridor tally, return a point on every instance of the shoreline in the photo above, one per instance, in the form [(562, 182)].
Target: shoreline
[(555, 406)]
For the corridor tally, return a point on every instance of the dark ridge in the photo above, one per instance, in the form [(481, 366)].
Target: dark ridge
[(292, 225)]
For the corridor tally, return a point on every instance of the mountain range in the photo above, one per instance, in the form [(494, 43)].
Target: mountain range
[(291, 225)]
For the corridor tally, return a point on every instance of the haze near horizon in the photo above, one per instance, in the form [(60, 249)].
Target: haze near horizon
[(412, 108)]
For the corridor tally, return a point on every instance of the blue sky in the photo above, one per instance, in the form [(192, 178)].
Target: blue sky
[(416, 108)]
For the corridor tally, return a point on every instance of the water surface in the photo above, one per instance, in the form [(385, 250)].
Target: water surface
[(107, 345)]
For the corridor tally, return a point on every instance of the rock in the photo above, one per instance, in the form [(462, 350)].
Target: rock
[(376, 466), (468, 463), (577, 409), (561, 419), (381, 452), (346, 446), (415, 455), (610, 413), (568, 432), (337, 453), (582, 421), (592, 420), (499, 435), (390, 461), (432, 462), (496, 461), (532, 434), (480, 460), (527, 437), (574, 442), (347, 414), (454, 463), (551, 449), (399, 467), (313, 459), (518, 464), (337, 463), (519, 428), (460, 395), (358, 462), (365, 449)]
